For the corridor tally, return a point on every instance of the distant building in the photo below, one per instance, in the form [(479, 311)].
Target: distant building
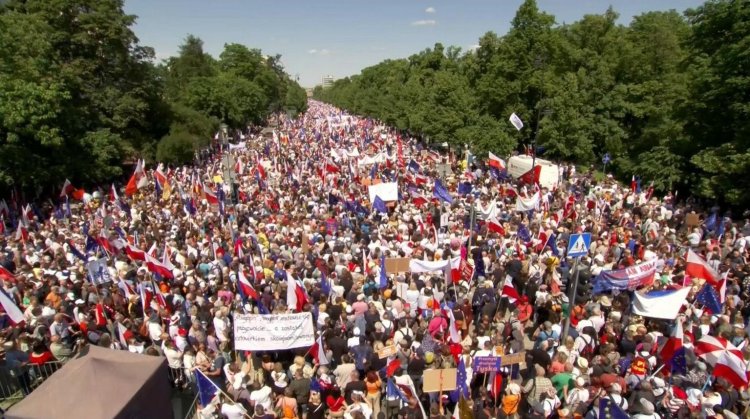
[(328, 81)]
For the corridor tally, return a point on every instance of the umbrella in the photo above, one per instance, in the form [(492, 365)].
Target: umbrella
[(726, 359)]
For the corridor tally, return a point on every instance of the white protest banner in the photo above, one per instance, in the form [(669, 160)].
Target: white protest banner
[(270, 332), (387, 191)]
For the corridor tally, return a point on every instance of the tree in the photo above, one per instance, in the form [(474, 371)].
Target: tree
[(78, 93), (718, 110), (177, 148)]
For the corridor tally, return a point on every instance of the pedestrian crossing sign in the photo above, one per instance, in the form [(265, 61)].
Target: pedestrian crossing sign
[(579, 245)]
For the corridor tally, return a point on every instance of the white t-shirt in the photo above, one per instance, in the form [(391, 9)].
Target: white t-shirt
[(155, 330), (174, 357), (232, 411), (262, 397), (220, 325)]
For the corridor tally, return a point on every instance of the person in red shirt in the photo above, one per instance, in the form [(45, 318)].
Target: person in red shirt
[(40, 354)]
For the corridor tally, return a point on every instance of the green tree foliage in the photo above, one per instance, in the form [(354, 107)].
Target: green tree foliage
[(666, 96), (718, 111), (177, 147), (79, 95)]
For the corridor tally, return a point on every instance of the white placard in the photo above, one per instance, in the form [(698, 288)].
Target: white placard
[(387, 191), (269, 332)]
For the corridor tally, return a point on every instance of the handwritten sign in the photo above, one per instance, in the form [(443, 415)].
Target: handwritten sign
[(270, 332), (396, 265), (387, 351), (512, 359), (439, 380), (484, 364)]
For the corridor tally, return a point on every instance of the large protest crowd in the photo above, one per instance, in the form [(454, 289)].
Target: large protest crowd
[(165, 265)]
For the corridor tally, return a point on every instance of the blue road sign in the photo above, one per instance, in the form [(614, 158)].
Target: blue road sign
[(579, 245)]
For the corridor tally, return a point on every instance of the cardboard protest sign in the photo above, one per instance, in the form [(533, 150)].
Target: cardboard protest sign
[(439, 380), (512, 359), (387, 351), (397, 265)]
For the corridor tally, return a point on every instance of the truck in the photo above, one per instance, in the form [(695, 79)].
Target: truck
[(549, 176)]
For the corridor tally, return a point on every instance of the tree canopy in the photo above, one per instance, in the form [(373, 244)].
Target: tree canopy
[(666, 95), (79, 95)]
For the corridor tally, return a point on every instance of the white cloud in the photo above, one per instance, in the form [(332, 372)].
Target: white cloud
[(426, 22), (312, 51), (315, 51), (324, 52), (430, 10), (473, 47)]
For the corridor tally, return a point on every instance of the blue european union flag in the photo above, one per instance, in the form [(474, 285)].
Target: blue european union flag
[(441, 193), (709, 298), (325, 286), (379, 205), (383, 274), (414, 166), (392, 390), (478, 265), (523, 233), (678, 363), (710, 222), (552, 243), (610, 410), (462, 389), (464, 188), (206, 388)]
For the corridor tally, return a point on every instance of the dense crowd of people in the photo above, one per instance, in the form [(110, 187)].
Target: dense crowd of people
[(174, 242)]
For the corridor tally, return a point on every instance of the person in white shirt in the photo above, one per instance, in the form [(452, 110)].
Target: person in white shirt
[(359, 404), (597, 319), (261, 395), (155, 330), (231, 410), (174, 361), (578, 395)]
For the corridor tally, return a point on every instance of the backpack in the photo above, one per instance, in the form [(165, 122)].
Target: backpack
[(588, 349)]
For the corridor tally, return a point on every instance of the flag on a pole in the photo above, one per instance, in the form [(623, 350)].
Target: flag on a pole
[(697, 267), (496, 162), (392, 367), (325, 284), (10, 307), (379, 205), (383, 273), (709, 298), (673, 352), (6, 275), (441, 193), (660, 304), (207, 389), (516, 121)]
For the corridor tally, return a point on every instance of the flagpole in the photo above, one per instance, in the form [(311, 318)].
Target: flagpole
[(231, 400)]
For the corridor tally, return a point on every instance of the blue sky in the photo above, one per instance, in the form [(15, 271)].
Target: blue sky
[(340, 37)]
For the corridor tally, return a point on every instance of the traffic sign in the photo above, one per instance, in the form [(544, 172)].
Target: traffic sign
[(579, 244)]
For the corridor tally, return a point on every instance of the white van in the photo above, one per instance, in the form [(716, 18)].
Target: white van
[(549, 177)]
